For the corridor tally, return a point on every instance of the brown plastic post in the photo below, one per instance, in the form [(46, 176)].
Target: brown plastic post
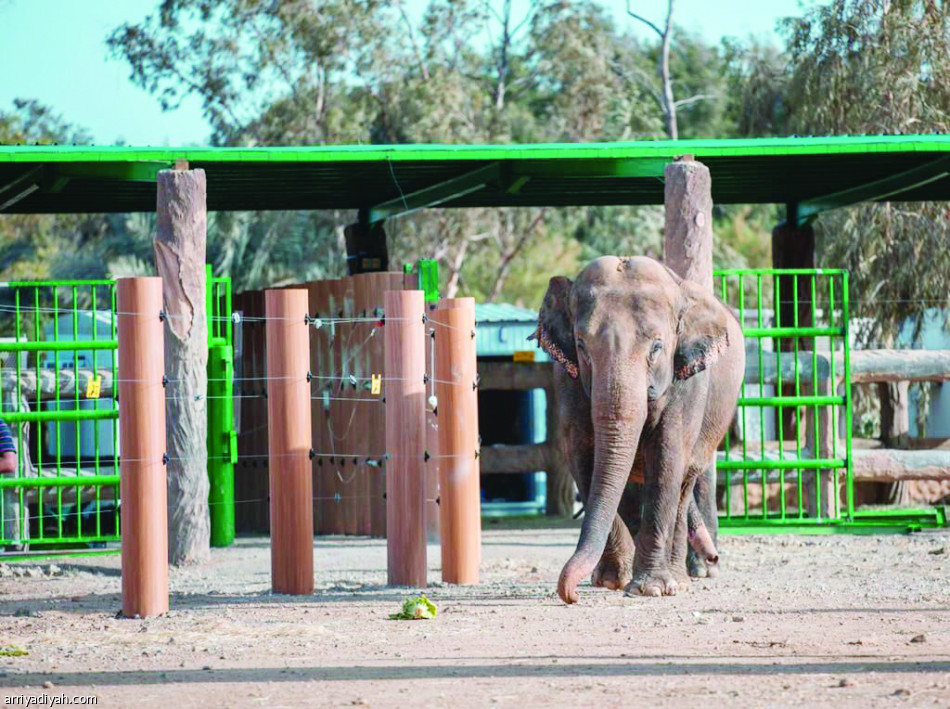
[(144, 492), (405, 438), (288, 435), (459, 488)]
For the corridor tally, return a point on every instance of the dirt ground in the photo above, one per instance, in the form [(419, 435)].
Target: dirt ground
[(792, 621)]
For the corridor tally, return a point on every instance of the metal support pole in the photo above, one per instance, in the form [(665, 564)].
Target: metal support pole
[(144, 500)]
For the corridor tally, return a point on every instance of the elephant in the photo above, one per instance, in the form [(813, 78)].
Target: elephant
[(648, 372)]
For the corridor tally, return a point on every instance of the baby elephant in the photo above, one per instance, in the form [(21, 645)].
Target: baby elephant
[(650, 369)]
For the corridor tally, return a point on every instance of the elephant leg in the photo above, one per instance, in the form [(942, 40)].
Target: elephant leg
[(615, 568), (576, 434), (664, 472), (702, 558), (679, 544)]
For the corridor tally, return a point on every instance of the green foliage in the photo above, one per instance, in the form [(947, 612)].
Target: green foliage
[(869, 66)]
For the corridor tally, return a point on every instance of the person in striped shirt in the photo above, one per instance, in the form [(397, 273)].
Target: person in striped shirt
[(8, 467)]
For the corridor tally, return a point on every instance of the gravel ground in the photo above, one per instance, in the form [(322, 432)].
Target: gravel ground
[(838, 621)]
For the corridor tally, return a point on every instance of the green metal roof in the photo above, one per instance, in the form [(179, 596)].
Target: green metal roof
[(817, 173)]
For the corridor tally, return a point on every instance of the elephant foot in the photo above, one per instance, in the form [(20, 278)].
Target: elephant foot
[(613, 572), (702, 558), (652, 583), (700, 568)]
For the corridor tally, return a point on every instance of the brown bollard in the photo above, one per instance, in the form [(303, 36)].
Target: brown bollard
[(405, 438), (459, 487), (288, 436), (144, 485)]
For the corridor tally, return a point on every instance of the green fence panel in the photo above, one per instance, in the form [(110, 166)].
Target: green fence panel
[(788, 463), (787, 466), (57, 394), (56, 336)]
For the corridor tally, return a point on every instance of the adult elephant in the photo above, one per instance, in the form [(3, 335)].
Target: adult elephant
[(650, 368)]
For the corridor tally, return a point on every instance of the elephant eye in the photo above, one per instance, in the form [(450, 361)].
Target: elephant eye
[(580, 346), (657, 346)]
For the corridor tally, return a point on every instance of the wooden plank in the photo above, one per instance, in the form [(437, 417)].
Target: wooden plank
[(289, 436), (886, 465), (363, 332), (315, 306), (346, 431), (515, 376), (144, 509), (405, 438), (334, 420)]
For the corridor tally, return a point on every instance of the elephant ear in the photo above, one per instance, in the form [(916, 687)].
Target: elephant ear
[(703, 331), (555, 331)]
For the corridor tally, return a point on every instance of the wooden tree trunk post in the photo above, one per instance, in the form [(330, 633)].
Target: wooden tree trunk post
[(181, 231), (289, 441), (459, 487), (142, 442), (687, 249), (561, 491), (895, 429), (405, 438), (688, 240)]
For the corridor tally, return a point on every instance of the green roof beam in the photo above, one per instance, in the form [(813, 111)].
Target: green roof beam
[(125, 171), (875, 191), (437, 194), (593, 167), (20, 187)]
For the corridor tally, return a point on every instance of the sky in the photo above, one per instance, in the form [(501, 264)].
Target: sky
[(54, 51)]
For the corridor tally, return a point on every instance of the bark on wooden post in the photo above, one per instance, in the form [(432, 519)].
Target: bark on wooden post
[(459, 487), (144, 508), (687, 250), (181, 231), (687, 245), (289, 441), (405, 438)]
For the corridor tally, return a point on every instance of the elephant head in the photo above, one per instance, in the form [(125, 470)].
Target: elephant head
[(630, 330)]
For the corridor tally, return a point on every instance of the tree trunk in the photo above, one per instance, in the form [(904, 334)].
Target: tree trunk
[(181, 232), (687, 246), (560, 485), (687, 250)]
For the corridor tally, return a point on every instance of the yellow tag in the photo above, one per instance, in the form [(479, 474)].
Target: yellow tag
[(524, 356), (376, 384), (94, 387)]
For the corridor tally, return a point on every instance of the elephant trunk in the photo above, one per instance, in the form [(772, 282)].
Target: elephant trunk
[(618, 418)]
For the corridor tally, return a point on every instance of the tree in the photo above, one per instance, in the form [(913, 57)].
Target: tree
[(876, 66), (869, 66)]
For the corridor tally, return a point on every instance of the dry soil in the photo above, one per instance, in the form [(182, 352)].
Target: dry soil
[(838, 621)]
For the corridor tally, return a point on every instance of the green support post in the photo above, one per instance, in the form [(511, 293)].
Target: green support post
[(222, 441)]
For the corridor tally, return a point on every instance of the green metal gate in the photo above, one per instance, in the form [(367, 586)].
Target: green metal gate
[(57, 394), (58, 353), (788, 466)]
